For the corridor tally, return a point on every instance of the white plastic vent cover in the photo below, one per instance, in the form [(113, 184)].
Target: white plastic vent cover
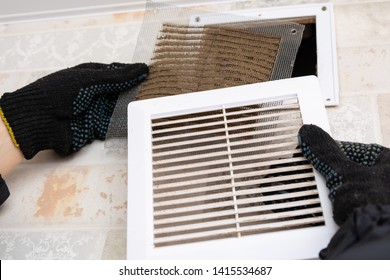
[(322, 13), (218, 175)]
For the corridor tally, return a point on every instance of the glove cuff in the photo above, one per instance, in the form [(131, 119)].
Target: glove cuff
[(32, 123)]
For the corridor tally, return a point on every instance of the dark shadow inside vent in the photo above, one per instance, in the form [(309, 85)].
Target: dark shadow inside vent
[(306, 59)]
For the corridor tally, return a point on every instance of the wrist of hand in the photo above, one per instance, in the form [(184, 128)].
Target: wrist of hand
[(11, 155)]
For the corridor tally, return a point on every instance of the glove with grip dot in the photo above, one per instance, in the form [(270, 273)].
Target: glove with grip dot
[(356, 174), (68, 109)]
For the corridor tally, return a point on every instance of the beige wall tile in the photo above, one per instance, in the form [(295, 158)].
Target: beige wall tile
[(59, 195), (52, 244), (365, 24), (364, 69), (11, 81), (60, 49), (78, 22), (355, 119), (115, 245)]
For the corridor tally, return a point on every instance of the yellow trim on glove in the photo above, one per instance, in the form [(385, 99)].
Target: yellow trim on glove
[(11, 133)]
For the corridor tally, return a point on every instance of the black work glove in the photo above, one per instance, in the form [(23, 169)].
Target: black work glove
[(365, 236), (356, 174), (68, 109)]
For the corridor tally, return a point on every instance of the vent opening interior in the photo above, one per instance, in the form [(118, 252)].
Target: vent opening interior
[(306, 61), (231, 172)]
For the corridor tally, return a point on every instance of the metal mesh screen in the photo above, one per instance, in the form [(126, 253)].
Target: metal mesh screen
[(190, 50)]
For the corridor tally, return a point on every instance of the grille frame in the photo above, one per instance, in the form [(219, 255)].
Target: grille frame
[(287, 244)]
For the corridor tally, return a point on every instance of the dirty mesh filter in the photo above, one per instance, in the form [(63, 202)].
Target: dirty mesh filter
[(189, 50), (231, 172), (191, 58)]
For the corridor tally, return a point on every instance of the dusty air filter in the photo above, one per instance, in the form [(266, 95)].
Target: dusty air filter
[(218, 174), (192, 58), (218, 50)]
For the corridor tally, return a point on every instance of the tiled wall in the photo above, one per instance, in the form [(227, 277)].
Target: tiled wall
[(75, 207)]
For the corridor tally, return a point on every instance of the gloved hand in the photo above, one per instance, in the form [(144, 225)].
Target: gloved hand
[(365, 235), (68, 109), (356, 174)]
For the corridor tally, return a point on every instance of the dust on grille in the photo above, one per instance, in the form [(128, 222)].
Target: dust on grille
[(231, 172)]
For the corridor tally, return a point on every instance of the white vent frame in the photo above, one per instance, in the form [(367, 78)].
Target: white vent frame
[(326, 38), (301, 243)]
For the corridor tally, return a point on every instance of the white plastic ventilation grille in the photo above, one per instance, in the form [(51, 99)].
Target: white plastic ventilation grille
[(218, 174), (231, 172)]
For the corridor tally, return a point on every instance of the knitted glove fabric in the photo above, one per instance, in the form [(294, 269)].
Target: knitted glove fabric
[(356, 174), (68, 109), (365, 235)]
